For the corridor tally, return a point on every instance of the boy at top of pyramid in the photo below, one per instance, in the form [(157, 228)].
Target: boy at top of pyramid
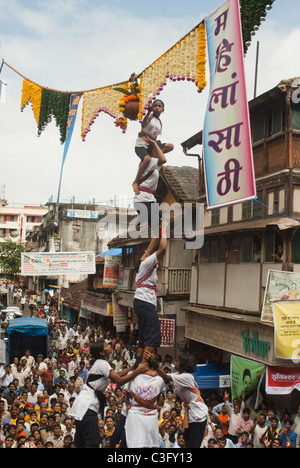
[(151, 128)]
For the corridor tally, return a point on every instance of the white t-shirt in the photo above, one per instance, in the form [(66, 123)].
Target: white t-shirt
[(146, 294), (87, 398), (198, 411), (257, 435), (142, 423), (150, 183), (152, 129)]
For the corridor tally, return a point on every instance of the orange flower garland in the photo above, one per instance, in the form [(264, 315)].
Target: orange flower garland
[(33, 93), (185, 61)]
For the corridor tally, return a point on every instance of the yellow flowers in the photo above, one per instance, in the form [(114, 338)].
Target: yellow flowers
[(201, 57), (185, 61), (33, 93)]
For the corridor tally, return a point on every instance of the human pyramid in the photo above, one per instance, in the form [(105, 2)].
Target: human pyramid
[(144, 382)]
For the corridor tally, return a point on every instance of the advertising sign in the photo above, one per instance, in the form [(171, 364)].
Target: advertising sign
[(281, 286), (228, 158), (111, 271), (246, 376), (282, 380), (287, 330), (57, 263)]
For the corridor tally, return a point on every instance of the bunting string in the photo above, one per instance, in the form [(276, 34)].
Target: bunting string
[(186, 60)]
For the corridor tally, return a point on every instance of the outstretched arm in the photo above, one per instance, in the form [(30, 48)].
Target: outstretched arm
[(122, 380)]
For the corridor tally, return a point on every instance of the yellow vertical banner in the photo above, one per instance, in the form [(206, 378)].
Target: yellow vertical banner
[(287, 329)]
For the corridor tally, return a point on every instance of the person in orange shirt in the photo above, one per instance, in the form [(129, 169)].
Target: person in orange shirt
[(224, 420)]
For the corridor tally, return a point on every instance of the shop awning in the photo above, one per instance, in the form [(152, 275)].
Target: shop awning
[(114, 252), (31, 326), (213, 376)]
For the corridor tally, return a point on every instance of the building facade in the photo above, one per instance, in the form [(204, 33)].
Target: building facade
[(230, 271), (16, 222), (177, 185)]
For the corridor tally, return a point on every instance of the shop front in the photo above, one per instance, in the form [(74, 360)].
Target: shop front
[(252, 342)]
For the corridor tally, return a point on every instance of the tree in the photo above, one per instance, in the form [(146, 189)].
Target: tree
[(10, 257)]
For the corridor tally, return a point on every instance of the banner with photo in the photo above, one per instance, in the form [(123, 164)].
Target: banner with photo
[(246, 376), (287, 330), (281, 286), (228, 158)]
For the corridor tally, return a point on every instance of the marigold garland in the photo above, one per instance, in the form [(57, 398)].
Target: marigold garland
[(57, 105), (45, 104), (103, 100), (185, 61), (33, 93)]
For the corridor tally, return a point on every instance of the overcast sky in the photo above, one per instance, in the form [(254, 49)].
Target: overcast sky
[(77, 45)]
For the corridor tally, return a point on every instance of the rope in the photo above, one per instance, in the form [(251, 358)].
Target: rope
[(281, 214)]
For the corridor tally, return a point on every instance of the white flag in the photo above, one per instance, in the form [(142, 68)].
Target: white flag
[(2, 92)]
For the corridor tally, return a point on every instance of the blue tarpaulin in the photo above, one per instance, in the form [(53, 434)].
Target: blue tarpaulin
[(213, 376), (114, 252), (31, 326)]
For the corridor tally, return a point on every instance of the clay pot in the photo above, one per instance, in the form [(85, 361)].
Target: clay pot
[(131, 110)]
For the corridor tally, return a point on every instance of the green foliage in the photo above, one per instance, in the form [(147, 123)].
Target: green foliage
[(57, 104), (123, 91), (251, 13), (10, 257)]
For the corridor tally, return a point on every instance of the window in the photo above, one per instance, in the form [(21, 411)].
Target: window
[(273, 244), (258, 127), (215, 217), (213, 250), (204, 252), (247, 248), (127, 256), (247, 210), (276, 120), (234, 250), (257, 207), (276, 200), (253, 209), (296, 247), (12, 218), (295, 116)]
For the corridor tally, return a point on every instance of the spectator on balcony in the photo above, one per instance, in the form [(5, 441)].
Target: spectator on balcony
[(256, 252), (278, 255)]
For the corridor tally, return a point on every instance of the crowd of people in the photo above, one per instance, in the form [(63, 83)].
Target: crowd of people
[(38, 396)]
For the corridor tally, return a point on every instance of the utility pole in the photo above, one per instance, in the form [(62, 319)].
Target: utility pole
[(256, 69)]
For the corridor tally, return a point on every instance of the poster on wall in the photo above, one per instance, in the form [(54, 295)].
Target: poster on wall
[(287, 330), (124, 279), (111, 271), (281, 286), (120, 315), (228, 157), (167, 328), (246, 376)]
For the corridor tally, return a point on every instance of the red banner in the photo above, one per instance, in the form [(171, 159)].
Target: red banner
[(282, 380)]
